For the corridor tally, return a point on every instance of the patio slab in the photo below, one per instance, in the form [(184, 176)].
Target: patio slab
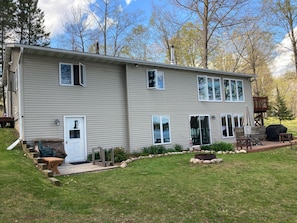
[(68, 169)]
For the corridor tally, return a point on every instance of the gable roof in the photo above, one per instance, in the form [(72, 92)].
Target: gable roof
[(61, 53)]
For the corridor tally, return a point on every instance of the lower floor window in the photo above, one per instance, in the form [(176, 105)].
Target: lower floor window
[(161, 129), (229, 122)]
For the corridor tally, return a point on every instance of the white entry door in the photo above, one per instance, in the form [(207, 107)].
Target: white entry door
[(74, 139)]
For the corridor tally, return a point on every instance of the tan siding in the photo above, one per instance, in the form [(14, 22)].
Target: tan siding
[(105, 102), (179, 100), (102, 101)]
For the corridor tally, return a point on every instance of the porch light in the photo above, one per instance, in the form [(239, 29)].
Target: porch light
[(57, 122)]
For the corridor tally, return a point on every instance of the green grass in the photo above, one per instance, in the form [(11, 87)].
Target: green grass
[(255, 187)]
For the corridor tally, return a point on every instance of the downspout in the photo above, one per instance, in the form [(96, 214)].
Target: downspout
[(15, 143)]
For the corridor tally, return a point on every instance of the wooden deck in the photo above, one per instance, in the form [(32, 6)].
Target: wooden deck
[(269, 145)]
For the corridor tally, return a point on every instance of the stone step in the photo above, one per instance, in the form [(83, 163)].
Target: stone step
[(47, 173), (38, 160), (32, 155), (42, 166), (55, 181)]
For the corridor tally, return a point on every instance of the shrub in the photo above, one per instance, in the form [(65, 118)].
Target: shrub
[(178, 148), (120, 155), (219, 146), (160, 149)]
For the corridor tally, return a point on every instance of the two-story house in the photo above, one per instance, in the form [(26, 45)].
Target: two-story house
[(90, 100)]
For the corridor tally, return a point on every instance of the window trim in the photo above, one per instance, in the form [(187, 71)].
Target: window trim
[(71, 74), (157, 73), (229, 88), (161, 130), (81, 74), (213, 88), (233, 116)]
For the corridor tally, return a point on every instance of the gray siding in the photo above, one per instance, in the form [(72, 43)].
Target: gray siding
[(102, 101), (179, 100), (117, 104)]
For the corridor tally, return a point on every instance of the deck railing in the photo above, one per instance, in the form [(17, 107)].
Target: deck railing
[(260, 104)]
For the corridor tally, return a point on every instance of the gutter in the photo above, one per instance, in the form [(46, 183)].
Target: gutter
[(14, 144)]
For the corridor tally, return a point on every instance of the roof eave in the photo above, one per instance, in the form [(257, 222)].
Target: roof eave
[(122, 60)]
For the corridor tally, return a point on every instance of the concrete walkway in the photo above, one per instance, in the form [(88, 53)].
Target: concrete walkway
[(68, 169)]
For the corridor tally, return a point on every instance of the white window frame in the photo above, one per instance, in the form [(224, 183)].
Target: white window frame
[(206, 96), (158, 75), (81, 74), (230, 130), (161, 130), (228, 89)]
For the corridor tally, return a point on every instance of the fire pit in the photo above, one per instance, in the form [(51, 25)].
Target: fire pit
[(205, 156)]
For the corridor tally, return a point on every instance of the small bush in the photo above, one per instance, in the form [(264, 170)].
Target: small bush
[(160, 149), (178, 148), (219, 146), (120, 155)]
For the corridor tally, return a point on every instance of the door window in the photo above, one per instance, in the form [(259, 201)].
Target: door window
[(200, 129)]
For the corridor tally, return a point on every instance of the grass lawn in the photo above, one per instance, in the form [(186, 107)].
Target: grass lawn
[(255, 187)]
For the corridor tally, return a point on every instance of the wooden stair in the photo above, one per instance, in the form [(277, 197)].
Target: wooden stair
[(30, 152)]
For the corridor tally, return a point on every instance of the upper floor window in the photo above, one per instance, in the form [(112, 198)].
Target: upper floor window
[(155, 79), (209, 88), (72, 74), (233, 90), (161, 129)]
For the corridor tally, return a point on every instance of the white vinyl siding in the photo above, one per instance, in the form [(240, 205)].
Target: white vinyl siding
[(45, 101)]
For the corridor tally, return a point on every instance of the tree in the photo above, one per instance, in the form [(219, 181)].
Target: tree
[(280, 109), (166, 21), (187, 47), (114, 24), (30, 24), (282, 14), (79, 29), (212, 15), (139, 37)]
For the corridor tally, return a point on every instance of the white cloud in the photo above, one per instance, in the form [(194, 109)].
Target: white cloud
[(284, 60), (128, 2), (55, 11)]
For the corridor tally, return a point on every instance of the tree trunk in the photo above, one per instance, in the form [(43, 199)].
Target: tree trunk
[(205, 36)]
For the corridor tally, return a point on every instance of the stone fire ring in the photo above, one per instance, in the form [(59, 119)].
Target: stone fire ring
[(205, 158)]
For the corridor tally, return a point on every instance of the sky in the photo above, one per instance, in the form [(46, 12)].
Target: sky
[(56, 10)]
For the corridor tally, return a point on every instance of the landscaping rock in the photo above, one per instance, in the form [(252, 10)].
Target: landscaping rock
[(123, 164)]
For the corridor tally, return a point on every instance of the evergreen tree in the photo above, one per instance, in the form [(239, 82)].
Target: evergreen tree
[(280, 109), (30, 27)]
